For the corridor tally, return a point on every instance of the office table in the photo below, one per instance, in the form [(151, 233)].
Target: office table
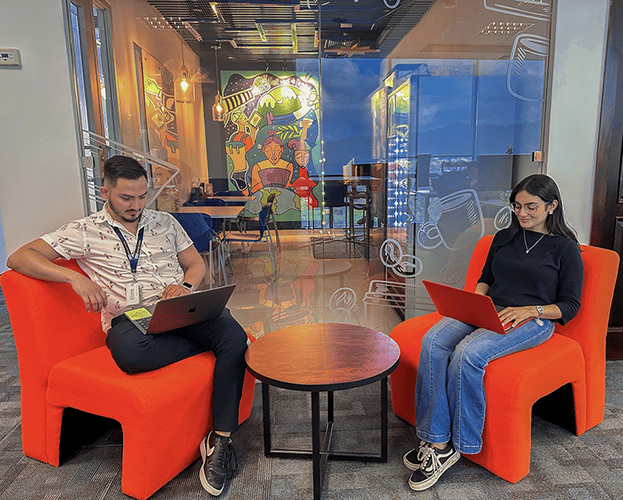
[(232, 199), (323, 357), (227, 212)]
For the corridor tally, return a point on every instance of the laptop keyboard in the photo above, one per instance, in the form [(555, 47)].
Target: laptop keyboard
[(143, 322)]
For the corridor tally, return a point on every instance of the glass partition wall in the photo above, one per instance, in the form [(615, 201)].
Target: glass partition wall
[(427, 144), (383, 169)]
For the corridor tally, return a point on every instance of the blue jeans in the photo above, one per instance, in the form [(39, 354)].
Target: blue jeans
[(450, 398)]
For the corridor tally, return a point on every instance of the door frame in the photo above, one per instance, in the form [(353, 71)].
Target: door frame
[(607, 209)]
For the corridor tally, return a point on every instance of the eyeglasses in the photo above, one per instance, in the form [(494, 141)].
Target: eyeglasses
[(530, 208)]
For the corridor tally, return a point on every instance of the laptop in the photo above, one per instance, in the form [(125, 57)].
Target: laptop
[(178, 312), (469, 307)]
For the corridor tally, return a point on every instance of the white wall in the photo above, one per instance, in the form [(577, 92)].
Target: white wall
[(3, 254), (40, 186), (580, 40)]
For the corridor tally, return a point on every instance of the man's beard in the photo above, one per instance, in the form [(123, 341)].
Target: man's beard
[(123, 216)]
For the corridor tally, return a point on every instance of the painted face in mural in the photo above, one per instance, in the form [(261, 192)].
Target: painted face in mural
[(302, 157), (273, 152)]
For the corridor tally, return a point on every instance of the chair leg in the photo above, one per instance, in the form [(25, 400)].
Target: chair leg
[(271, 254), (222, 262), (220, 265), (227, 257), (210, 257), (276, 233)]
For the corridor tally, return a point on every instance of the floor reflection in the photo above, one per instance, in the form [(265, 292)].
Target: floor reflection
[(320, 278)]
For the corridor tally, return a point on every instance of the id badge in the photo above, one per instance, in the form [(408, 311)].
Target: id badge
[(133, 294)]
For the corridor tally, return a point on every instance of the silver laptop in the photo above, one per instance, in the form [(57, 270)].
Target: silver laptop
[(178, 312)]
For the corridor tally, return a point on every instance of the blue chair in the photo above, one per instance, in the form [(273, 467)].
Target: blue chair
[(270, 219), (264, 234), (199, 228), (208, 202), (334, 197)]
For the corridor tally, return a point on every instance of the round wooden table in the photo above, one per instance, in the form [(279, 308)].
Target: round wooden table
[(323, 357)]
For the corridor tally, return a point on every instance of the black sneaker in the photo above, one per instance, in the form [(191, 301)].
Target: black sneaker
[(219, 463), (434, 463), (413, 459)]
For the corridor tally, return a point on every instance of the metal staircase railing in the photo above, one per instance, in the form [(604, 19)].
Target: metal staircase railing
[(97, 146)]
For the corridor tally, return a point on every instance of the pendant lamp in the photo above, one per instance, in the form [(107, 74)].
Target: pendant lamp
[(218, 108), (184, 87)]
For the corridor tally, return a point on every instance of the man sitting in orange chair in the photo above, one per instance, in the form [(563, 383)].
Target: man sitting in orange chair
[(134, 255)]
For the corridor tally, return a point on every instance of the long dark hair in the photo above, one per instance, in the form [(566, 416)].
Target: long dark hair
[(545, 188)]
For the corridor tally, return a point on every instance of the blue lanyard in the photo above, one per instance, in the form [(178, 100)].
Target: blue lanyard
[(132, 257)]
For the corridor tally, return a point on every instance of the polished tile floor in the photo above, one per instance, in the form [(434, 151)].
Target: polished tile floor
[(321, 277)]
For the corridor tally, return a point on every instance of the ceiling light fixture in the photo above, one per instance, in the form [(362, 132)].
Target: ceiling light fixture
[(504, 28), (217, 12), (184, 87), (218, 108)]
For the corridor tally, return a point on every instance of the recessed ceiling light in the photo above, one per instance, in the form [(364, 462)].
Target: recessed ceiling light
[(504, 28)]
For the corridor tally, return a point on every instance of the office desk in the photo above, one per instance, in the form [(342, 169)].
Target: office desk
[(233, 199), (227, 212)]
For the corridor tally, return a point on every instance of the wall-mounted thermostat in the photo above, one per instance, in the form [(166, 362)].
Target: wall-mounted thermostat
[(10, 57)]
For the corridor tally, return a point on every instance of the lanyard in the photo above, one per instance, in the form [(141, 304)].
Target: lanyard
[(132, 257)]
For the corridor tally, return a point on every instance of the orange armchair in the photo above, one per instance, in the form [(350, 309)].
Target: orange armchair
[(575, 355), (64, 363)]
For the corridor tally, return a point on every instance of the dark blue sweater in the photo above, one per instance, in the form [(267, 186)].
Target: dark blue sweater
[(551, 273)]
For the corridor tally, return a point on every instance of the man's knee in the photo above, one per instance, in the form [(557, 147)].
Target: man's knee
[(125, 359), (233, 334), (124, 352)]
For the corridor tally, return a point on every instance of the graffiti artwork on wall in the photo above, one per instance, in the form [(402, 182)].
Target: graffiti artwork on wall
[(160, 114), (271, 121)]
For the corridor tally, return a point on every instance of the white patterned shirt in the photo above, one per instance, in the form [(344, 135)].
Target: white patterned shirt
[(100, 253)]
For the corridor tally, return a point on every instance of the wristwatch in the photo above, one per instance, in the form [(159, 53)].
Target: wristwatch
[(190, 287), (540, 310)]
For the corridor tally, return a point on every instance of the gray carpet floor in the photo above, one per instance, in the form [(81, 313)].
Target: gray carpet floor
[(563, 466)]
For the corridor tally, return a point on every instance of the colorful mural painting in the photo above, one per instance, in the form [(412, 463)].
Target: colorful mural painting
[(271, 122), (160, 114), (160, 121)]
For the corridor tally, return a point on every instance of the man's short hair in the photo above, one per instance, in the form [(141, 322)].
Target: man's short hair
[(122, 167)]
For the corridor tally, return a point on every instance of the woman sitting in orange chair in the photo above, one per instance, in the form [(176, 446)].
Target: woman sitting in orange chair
[(534, 274)]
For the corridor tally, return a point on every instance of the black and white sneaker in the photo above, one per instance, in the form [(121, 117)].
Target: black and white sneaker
[(413, 458), (434, 463), (219, 463)]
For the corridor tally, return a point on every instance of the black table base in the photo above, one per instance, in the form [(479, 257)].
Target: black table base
[(321, 454)]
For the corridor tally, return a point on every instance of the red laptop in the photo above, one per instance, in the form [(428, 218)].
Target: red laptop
[(468, 307)]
